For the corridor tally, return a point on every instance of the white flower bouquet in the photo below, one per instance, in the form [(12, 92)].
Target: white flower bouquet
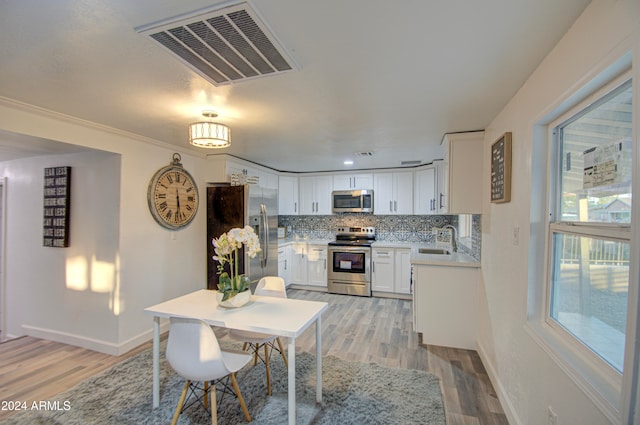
[(226, 248)]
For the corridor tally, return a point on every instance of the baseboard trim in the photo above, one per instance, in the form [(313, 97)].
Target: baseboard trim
[(505, 401), (106, 347)]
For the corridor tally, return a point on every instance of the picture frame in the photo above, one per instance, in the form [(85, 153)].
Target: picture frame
[(501, 169), (57, 207)]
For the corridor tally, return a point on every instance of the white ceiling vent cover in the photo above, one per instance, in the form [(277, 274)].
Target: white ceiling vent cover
[(224, 46)]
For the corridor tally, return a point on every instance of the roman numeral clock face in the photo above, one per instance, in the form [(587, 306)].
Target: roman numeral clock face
[(173, 197)]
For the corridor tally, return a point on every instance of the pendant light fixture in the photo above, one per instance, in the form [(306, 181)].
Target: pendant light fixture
[(209, 134)]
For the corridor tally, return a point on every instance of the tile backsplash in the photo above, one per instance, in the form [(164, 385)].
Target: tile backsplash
[(391, 228)]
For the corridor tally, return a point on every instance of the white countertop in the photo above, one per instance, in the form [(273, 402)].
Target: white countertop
[(455, 259), (287, 241)]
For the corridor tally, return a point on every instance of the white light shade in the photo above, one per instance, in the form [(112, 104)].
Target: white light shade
[(209, 135)]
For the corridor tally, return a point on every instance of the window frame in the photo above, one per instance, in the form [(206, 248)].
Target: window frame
[(618, 232), (594, 376)]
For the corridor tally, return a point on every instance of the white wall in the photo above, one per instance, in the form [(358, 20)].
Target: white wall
[(136, 263), (526, 378), (63, 289)]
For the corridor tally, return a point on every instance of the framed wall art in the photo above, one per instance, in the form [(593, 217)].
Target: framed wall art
[(501, 169), (57, 196)]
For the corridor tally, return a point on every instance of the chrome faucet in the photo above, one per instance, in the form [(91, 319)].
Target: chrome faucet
[(454, 234)]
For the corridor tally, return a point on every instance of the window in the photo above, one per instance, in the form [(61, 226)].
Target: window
[(590, 226)]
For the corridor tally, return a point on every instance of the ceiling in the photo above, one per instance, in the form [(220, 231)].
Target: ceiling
[(385, 77)]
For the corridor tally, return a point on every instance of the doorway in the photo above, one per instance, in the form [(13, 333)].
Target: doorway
[(3, 303)]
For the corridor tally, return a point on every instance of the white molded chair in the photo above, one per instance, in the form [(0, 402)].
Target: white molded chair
[(194, 353), (269, 286)]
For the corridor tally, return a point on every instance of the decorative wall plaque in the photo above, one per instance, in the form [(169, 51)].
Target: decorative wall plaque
[(501, 169), (57, 194)]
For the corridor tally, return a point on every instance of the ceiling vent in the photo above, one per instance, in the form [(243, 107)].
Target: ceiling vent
[(224, 46), (364, 154), (410, 162)]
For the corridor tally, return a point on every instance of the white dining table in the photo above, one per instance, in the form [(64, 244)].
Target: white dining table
[(284, 317)]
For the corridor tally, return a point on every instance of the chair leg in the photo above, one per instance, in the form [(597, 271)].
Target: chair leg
[(284, 355), (236, 388), (205, 398), (244, 346), (268, 369), (214, 405), (255, 354), (176, 415)]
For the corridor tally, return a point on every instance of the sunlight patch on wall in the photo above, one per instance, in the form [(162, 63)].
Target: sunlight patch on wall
[(102, 276), (77, 276), (114, 303)]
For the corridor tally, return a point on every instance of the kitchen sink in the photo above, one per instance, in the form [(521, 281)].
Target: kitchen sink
[(437, 251)]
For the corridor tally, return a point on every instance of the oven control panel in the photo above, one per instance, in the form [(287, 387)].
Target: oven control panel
[(368, 232)]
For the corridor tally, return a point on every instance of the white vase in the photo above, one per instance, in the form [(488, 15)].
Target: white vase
[(234, 302)]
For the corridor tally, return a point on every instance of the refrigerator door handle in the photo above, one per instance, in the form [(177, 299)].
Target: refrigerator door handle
[(265, 234)]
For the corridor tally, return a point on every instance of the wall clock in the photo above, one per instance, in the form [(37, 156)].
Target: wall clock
[(173, 195)]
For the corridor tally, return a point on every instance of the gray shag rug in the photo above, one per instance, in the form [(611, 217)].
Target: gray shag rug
[(353, 393)]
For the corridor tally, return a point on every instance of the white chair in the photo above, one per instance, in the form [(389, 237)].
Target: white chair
[(269, 286), (194, 353)]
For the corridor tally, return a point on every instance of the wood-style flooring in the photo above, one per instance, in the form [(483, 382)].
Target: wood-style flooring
[(361, 329)]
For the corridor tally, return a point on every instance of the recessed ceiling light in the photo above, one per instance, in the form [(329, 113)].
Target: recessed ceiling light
[(348, 162)]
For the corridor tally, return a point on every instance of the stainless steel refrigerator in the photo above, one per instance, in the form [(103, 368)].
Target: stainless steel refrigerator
[(238, 206)]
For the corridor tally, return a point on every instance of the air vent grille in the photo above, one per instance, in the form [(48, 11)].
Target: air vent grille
[(411, 162), (364, 154), (224, 46)]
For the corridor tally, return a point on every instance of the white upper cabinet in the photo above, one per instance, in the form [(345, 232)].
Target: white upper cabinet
[(220, 168), (315, 195), (393, 193), (288, 195), (460, 174), (424, 199), (352, 181)]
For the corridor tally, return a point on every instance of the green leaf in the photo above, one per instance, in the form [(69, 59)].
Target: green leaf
[(243, 283), (224, 283)]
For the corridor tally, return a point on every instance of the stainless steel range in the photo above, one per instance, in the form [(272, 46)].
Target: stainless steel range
[(350, 261)]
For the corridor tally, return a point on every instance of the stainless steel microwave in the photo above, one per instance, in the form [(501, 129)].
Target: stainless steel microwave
[(352, 201)]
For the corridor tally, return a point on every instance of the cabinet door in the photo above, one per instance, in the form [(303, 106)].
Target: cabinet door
[(342, 182), (424, 198), (284, 264), (402, 281), (363, 181), (315, 195), (317, 266), (382, 273), (307, 195), (299, 264), (442, 194), (352, 181), (383, 193), (323, 188), (288, 195), (465, 175), (403, 193)]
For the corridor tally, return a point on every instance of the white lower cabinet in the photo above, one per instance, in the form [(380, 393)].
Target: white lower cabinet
[(391, 270), (382, 269), (299, 263), (402, 281), (445, 302), (284, 264), (317, 265), (308, 264)]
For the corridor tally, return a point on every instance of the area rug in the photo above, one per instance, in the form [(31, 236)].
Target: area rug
[(353, 393)]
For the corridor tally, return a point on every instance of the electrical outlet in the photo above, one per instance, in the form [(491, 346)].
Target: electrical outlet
[(552, 418)]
